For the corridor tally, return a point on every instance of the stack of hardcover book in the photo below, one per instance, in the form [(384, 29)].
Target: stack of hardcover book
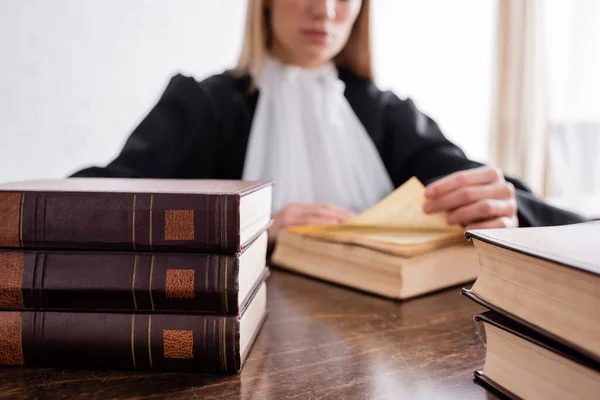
[(132, 273), (542, 286)]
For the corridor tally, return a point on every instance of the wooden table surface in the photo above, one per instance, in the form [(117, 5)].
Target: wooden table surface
[(320, 341)]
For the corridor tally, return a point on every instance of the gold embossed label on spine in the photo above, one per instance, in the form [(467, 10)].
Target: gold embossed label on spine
[(11, 279), (178, 344), (179, 283), (11, 216), (11, 346)]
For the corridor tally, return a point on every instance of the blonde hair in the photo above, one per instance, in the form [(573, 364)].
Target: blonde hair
[(356, 54)]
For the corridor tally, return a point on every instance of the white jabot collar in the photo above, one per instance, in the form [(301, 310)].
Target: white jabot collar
[(306, 137)]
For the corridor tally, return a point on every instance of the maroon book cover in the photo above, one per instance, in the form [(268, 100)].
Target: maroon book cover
[(167, 342), (120, 341), (129, 214), (122, 281)]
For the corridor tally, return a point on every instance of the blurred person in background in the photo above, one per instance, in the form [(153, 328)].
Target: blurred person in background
[(301, 108)]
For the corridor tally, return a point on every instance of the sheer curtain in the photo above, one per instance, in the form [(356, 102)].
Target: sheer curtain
[(546, 125), (573, 54), (519, 123)]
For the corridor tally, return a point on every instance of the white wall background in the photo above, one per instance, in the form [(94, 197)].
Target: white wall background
[(77, 76), (441, 53)]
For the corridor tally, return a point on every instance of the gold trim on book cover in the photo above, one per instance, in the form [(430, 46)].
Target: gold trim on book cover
[(135, 260), (133, 222), (150, 340), (11, 211), (12, 266), (132, 340), (224, 343), (150, 234), (150, 283), (11, 345)]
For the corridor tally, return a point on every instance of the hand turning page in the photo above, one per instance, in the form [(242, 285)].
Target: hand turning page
[(398, 221), (403, 209)]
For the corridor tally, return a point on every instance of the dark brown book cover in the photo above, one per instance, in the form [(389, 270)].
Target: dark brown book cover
[(166, 342), (574, 246), (124, 214), (534, 336), (121, 281), (561, 343)]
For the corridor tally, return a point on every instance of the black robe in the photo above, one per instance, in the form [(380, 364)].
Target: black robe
[(200, 130)]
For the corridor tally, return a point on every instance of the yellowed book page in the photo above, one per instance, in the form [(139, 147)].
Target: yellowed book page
[(407, 242), (396, 224), (394, 241), (396, 236), (403, 208)]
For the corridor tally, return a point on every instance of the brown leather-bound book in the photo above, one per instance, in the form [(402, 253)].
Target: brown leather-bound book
[(170, 342), (522, 363), (131, 281), (546, 277), (133, 214)]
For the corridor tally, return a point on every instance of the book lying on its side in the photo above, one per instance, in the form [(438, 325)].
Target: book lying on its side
[(133, 214), (544, 277), (393, 249), (522, 363), (168, 342), (121, 281)]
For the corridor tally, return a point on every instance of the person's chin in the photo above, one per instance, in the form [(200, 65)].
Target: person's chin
[(317, 55)]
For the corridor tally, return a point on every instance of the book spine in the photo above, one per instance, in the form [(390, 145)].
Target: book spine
[(119, 341), (120, 221), (146, 282)]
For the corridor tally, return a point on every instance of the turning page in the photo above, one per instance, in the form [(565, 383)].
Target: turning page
[(397, 221)]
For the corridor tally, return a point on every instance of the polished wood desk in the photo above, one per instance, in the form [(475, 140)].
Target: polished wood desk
[(319, 342)]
